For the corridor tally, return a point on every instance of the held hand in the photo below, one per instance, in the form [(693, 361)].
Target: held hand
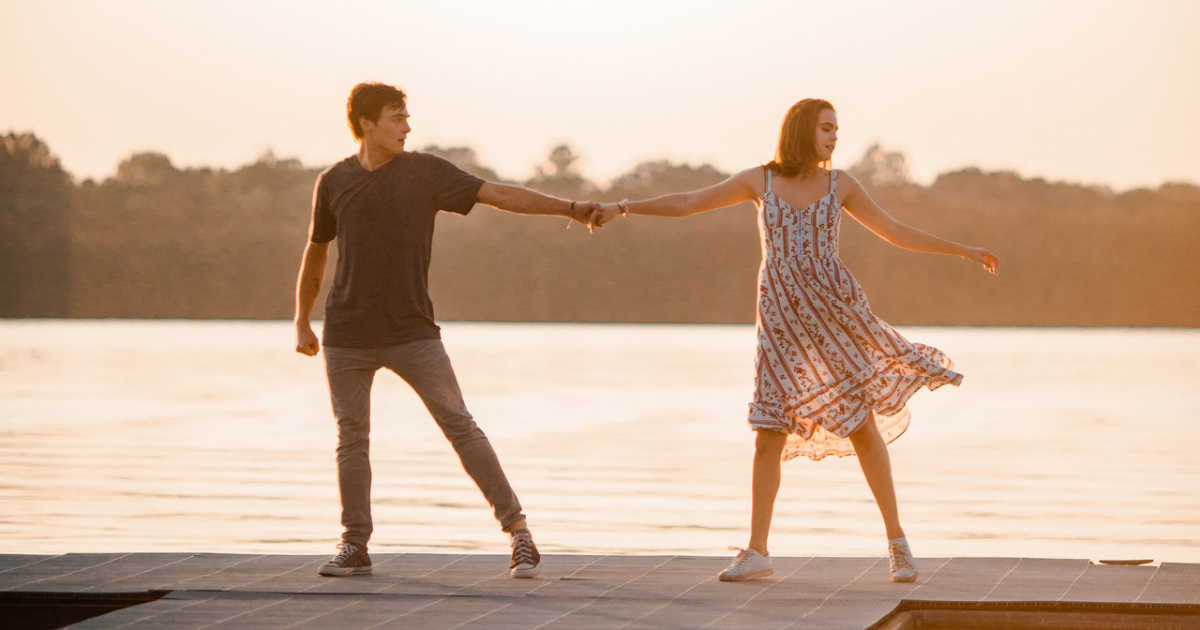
[(306, 340), (983, 257), (606, 213), (585, 212)]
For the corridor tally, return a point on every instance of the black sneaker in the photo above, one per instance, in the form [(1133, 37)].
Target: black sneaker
[(525, 557), (351, 560)]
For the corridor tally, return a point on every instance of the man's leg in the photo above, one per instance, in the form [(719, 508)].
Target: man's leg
[(425, 366), (350, 372)]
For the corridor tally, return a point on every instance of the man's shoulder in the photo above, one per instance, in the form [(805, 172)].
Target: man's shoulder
[(339, 170), (435, 168)]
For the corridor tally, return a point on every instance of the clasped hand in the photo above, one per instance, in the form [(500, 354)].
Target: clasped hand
[(595, 214)]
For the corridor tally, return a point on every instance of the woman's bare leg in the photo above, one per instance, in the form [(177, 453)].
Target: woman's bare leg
[(768, 449), (877, 468)]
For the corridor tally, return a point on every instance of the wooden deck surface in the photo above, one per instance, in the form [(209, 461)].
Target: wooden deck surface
[(573, 591)]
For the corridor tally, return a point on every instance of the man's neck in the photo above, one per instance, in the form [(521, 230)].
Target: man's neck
[(371, 157)]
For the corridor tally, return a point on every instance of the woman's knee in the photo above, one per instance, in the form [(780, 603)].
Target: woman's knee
[(867, 435)]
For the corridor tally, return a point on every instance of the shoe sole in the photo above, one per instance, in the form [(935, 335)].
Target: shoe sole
[(904, 579), (525, 573), (343, 571), (745, 578)]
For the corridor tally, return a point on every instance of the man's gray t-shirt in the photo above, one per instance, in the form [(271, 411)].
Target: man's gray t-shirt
[(383, 220)]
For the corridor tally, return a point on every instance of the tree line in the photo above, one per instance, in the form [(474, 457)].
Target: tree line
[(155, 240)]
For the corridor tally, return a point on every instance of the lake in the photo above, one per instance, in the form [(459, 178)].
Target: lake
[(129, 435)]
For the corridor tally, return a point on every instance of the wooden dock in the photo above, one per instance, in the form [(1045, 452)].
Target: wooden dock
[(434, 591)]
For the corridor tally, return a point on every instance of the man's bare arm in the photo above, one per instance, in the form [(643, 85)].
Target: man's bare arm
[(308, 285), (525, 201)]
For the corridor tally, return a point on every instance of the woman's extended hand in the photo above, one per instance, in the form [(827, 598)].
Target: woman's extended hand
[(607, 212), (983, 257), (583, 211)]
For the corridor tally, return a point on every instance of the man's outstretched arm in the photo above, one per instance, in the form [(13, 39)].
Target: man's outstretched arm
[(308, 285), (525, 201)]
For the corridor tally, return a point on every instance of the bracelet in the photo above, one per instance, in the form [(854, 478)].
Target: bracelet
[(623, 206), (571, 215)]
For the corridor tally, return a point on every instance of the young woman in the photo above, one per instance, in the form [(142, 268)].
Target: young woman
[(831, 378)]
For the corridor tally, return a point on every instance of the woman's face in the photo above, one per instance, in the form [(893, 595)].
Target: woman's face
[(826, 134)]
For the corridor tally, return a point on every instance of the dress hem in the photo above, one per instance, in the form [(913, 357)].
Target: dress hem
[(891, 410)]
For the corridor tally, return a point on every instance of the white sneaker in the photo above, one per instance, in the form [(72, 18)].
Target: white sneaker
[(748, 565), (900, 561)]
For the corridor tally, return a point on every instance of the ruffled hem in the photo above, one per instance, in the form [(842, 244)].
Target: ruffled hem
[(819, 423)]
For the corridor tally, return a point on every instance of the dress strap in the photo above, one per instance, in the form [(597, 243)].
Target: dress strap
[(832, 181), (767, 171)]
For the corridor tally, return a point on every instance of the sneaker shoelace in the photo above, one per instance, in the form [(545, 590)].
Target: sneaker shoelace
[(524, 551), (742, 557), (346, 551)]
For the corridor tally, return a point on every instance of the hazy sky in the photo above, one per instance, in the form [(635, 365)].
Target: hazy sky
[(1091, 91)]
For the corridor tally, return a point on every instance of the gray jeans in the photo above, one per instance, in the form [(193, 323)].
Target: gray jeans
[(426, 368)]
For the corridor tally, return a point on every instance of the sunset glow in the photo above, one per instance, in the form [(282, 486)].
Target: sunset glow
[(1095, 94)]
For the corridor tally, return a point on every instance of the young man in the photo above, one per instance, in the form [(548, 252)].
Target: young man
[(380, 204)]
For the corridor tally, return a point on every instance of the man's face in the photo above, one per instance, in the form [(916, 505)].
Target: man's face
[(389, 132)]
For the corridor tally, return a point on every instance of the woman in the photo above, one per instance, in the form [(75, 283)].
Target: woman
[(831, 378)]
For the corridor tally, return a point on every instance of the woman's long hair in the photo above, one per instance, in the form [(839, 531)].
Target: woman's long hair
[(797, 153)]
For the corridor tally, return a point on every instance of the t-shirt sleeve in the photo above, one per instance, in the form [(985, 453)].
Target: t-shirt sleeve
[(457, 189), (324, 223)]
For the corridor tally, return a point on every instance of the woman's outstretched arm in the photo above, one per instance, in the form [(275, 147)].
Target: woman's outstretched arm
[(862, 207), (737, 188)]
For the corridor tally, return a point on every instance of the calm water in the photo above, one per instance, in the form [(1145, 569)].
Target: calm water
[(215, 436)]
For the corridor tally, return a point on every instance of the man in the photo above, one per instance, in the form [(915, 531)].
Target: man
[(380, 204)]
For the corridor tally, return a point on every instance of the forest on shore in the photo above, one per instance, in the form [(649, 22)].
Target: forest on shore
[(159, 241)]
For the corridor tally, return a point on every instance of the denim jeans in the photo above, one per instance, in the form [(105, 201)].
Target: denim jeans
[(425, 366)]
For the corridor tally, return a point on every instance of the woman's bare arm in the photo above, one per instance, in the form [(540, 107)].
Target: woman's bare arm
[(863, 208), (737, 188)]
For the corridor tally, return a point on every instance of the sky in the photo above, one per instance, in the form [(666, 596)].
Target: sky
[(1089, 91)]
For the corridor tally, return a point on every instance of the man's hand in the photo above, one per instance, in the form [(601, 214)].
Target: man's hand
[(306, 340), (607, 212), (585, 212)]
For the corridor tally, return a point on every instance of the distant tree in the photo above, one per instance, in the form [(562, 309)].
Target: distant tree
[(35, 197), (160, 241), (558, 175), (464, 158), (266, 173), (1181, 192), (157, 241), (562, 159), (268, 157), (878, 167), (656, 177), (145, 169)]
